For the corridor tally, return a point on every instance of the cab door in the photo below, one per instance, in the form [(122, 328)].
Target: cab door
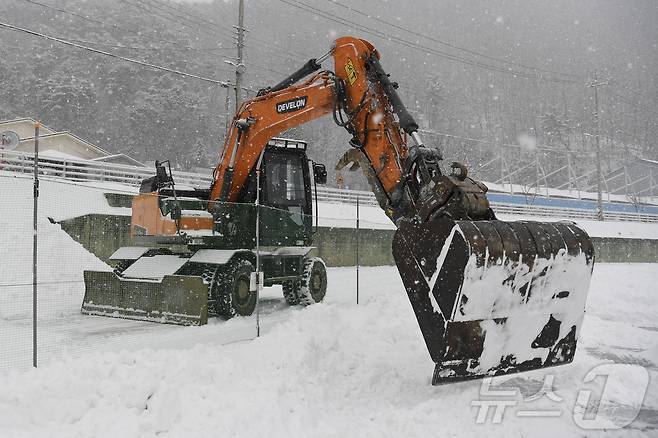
[(286, 217)]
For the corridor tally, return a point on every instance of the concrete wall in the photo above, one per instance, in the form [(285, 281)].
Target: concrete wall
[(103, 234), (615, 250), (338, 246)]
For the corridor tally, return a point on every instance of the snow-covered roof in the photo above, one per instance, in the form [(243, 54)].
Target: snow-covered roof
[(120, 158), (24, 127), (52, 153)]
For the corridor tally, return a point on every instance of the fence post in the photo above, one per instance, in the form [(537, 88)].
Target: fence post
[(258, 282), (357, 249), (35, 197)]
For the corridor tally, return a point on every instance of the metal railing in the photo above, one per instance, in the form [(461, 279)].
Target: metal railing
[(86, 171), (366, 198), (570, 213)]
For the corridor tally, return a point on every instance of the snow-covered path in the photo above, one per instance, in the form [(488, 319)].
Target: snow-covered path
[(333, 369)]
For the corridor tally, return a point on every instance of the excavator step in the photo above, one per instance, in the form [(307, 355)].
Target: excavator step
[(173, 299), (494, 297)]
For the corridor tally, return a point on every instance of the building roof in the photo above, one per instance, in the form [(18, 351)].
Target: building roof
[(24, 127), (63, 142), (58, 155), (120, 159), (60, 145)]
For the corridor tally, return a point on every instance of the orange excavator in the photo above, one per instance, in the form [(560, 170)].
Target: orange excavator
[(491, 297)]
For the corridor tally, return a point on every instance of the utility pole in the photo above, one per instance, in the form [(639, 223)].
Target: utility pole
[(227, 108), (599, 196), (239, 66)]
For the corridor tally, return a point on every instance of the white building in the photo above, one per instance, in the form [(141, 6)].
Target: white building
[(61, 146)]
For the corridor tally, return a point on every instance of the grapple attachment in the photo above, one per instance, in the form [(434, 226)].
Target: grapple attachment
[(494, 297)]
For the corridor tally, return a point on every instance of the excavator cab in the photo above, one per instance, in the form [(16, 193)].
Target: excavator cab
[(286, 213), (286, 201)]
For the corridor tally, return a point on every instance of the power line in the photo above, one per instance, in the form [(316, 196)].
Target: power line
[(184, 15), (168, 16), (447, 44), (193, 18), (400, 41), (485, 141), (190, 22), (196, 19), (92, 19), (636, 105), (625, 87), (202, 24), (223, 84), (117, 46)]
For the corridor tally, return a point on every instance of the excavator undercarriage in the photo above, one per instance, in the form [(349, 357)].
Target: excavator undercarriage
[(491, 297)]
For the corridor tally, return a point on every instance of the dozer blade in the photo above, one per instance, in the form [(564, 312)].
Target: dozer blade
[(176, 299), (495, 297)]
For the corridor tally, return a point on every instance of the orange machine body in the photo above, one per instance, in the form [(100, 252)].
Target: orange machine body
[(148, 219), (371, 121)]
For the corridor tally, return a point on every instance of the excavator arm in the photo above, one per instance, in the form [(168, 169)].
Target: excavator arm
[(362, 100)]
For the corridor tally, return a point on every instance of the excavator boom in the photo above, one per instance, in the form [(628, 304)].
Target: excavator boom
[(352, 92)]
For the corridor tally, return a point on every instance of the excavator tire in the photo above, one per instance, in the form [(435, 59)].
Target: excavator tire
[(494, 297), (313, 285), (231, 293), (310, 287), (290, 292)]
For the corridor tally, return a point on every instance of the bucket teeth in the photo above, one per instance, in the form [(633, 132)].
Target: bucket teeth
[(494, 297)]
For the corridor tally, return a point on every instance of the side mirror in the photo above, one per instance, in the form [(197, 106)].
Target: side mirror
[(161, 172), (163, 176), (320, 173)]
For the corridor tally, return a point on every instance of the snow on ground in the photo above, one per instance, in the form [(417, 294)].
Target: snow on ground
[(332, 369), (61, 260)]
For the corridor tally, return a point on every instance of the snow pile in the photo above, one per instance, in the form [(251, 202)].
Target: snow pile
[(61, 199), (329, 370), (61, 260)]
